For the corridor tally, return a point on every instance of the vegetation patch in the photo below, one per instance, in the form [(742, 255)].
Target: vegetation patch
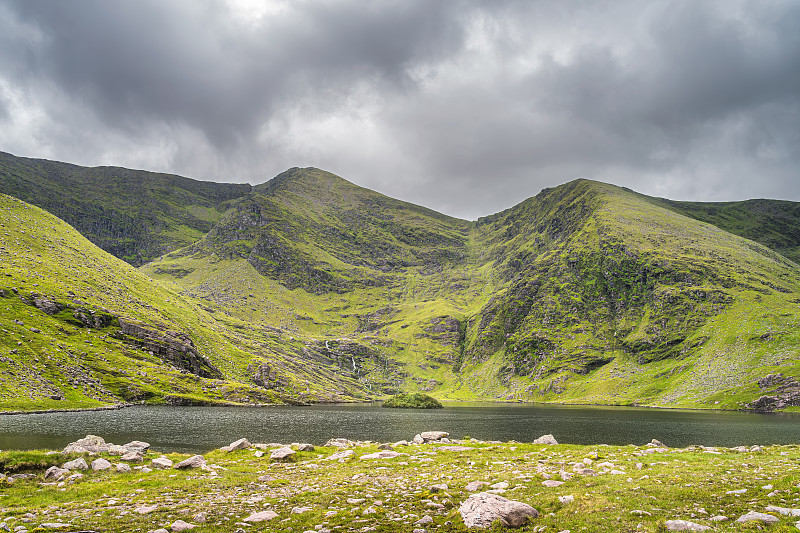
[(415, 400)]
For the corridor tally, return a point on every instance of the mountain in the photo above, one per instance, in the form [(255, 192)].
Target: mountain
[(310, 288), (132, 214), (81, 328)]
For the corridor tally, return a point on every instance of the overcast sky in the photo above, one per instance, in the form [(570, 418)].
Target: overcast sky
[(467, 107)]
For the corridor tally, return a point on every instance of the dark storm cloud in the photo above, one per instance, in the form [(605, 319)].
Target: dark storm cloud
[(463, 106)]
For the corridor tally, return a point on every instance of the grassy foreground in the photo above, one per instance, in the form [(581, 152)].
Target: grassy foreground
[(626, 488)]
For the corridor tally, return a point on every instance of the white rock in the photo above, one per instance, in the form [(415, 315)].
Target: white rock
[(283, 454), (195, 461), (180, 525), (753, 516), (383, 454), (786, 511), (77, 464), (122, 468), (472, 486), (685, 525), (566, 499), (240, 444), (482, 509), (546, 439), (261, 516), (340, 456), (146, 509), (551, 483), (100, 464), (162, 463)]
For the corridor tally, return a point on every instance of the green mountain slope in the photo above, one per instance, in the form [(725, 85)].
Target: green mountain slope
[(773, 223), (82, 328), (132, 214), (585, 293)]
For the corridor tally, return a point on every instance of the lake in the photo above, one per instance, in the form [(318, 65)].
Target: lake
[(198, 429)]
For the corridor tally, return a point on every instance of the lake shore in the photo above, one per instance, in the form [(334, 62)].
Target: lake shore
[(402, 486)]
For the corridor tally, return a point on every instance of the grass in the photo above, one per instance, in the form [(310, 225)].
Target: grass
[(632, 489)]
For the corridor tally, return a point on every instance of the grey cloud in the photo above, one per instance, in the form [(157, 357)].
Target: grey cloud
[(467, 107)]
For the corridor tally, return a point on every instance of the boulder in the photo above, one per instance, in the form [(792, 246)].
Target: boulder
[(162, 463), (483, 509), (195, 461), (90, 443), (283, 454), (339, 443), (100, 464), (340, 456), (546, 439), (146, 509), (753, 516), (383, 454), (122, 468), (418, 439), (786, 511), (429, 436), (76, 464), (132, 457), (241, 444), (137, 446), (685, 525), (180, 525), (55, 472), (438, 487), (305, 447), (262, 516)]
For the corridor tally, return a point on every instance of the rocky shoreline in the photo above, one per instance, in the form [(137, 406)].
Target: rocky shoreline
[(428, 483)]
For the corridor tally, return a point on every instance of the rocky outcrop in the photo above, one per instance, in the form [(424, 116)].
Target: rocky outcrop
[(785, 392), (173, 347)]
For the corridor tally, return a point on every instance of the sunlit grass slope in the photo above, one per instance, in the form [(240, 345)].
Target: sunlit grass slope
[(81, 328), (585, 293)]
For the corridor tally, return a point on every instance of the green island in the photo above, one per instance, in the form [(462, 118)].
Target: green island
[(403, 486), (416, 400)]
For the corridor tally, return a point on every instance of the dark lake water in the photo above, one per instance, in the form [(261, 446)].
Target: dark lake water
[(190, 429)]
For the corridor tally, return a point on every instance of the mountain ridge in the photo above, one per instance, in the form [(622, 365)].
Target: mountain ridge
[(584, 293)]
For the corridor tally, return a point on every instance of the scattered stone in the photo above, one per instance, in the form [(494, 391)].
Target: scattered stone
[(385, 446), (283, 454), (685, 525), (101, 464), (162, 463), (552, 483), (546, 439), (146, 509), (122, 468), (200, 517), (427, 519), (739, 491), (482, 509), (195, 461), (566, 499), (301, 510), (54, 525), (180, 525), (261, 516), (265, 478), (305, 447), (719, 518), (753, 516), (657, 443), (454, 448), (76, 464), (439, 487)]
